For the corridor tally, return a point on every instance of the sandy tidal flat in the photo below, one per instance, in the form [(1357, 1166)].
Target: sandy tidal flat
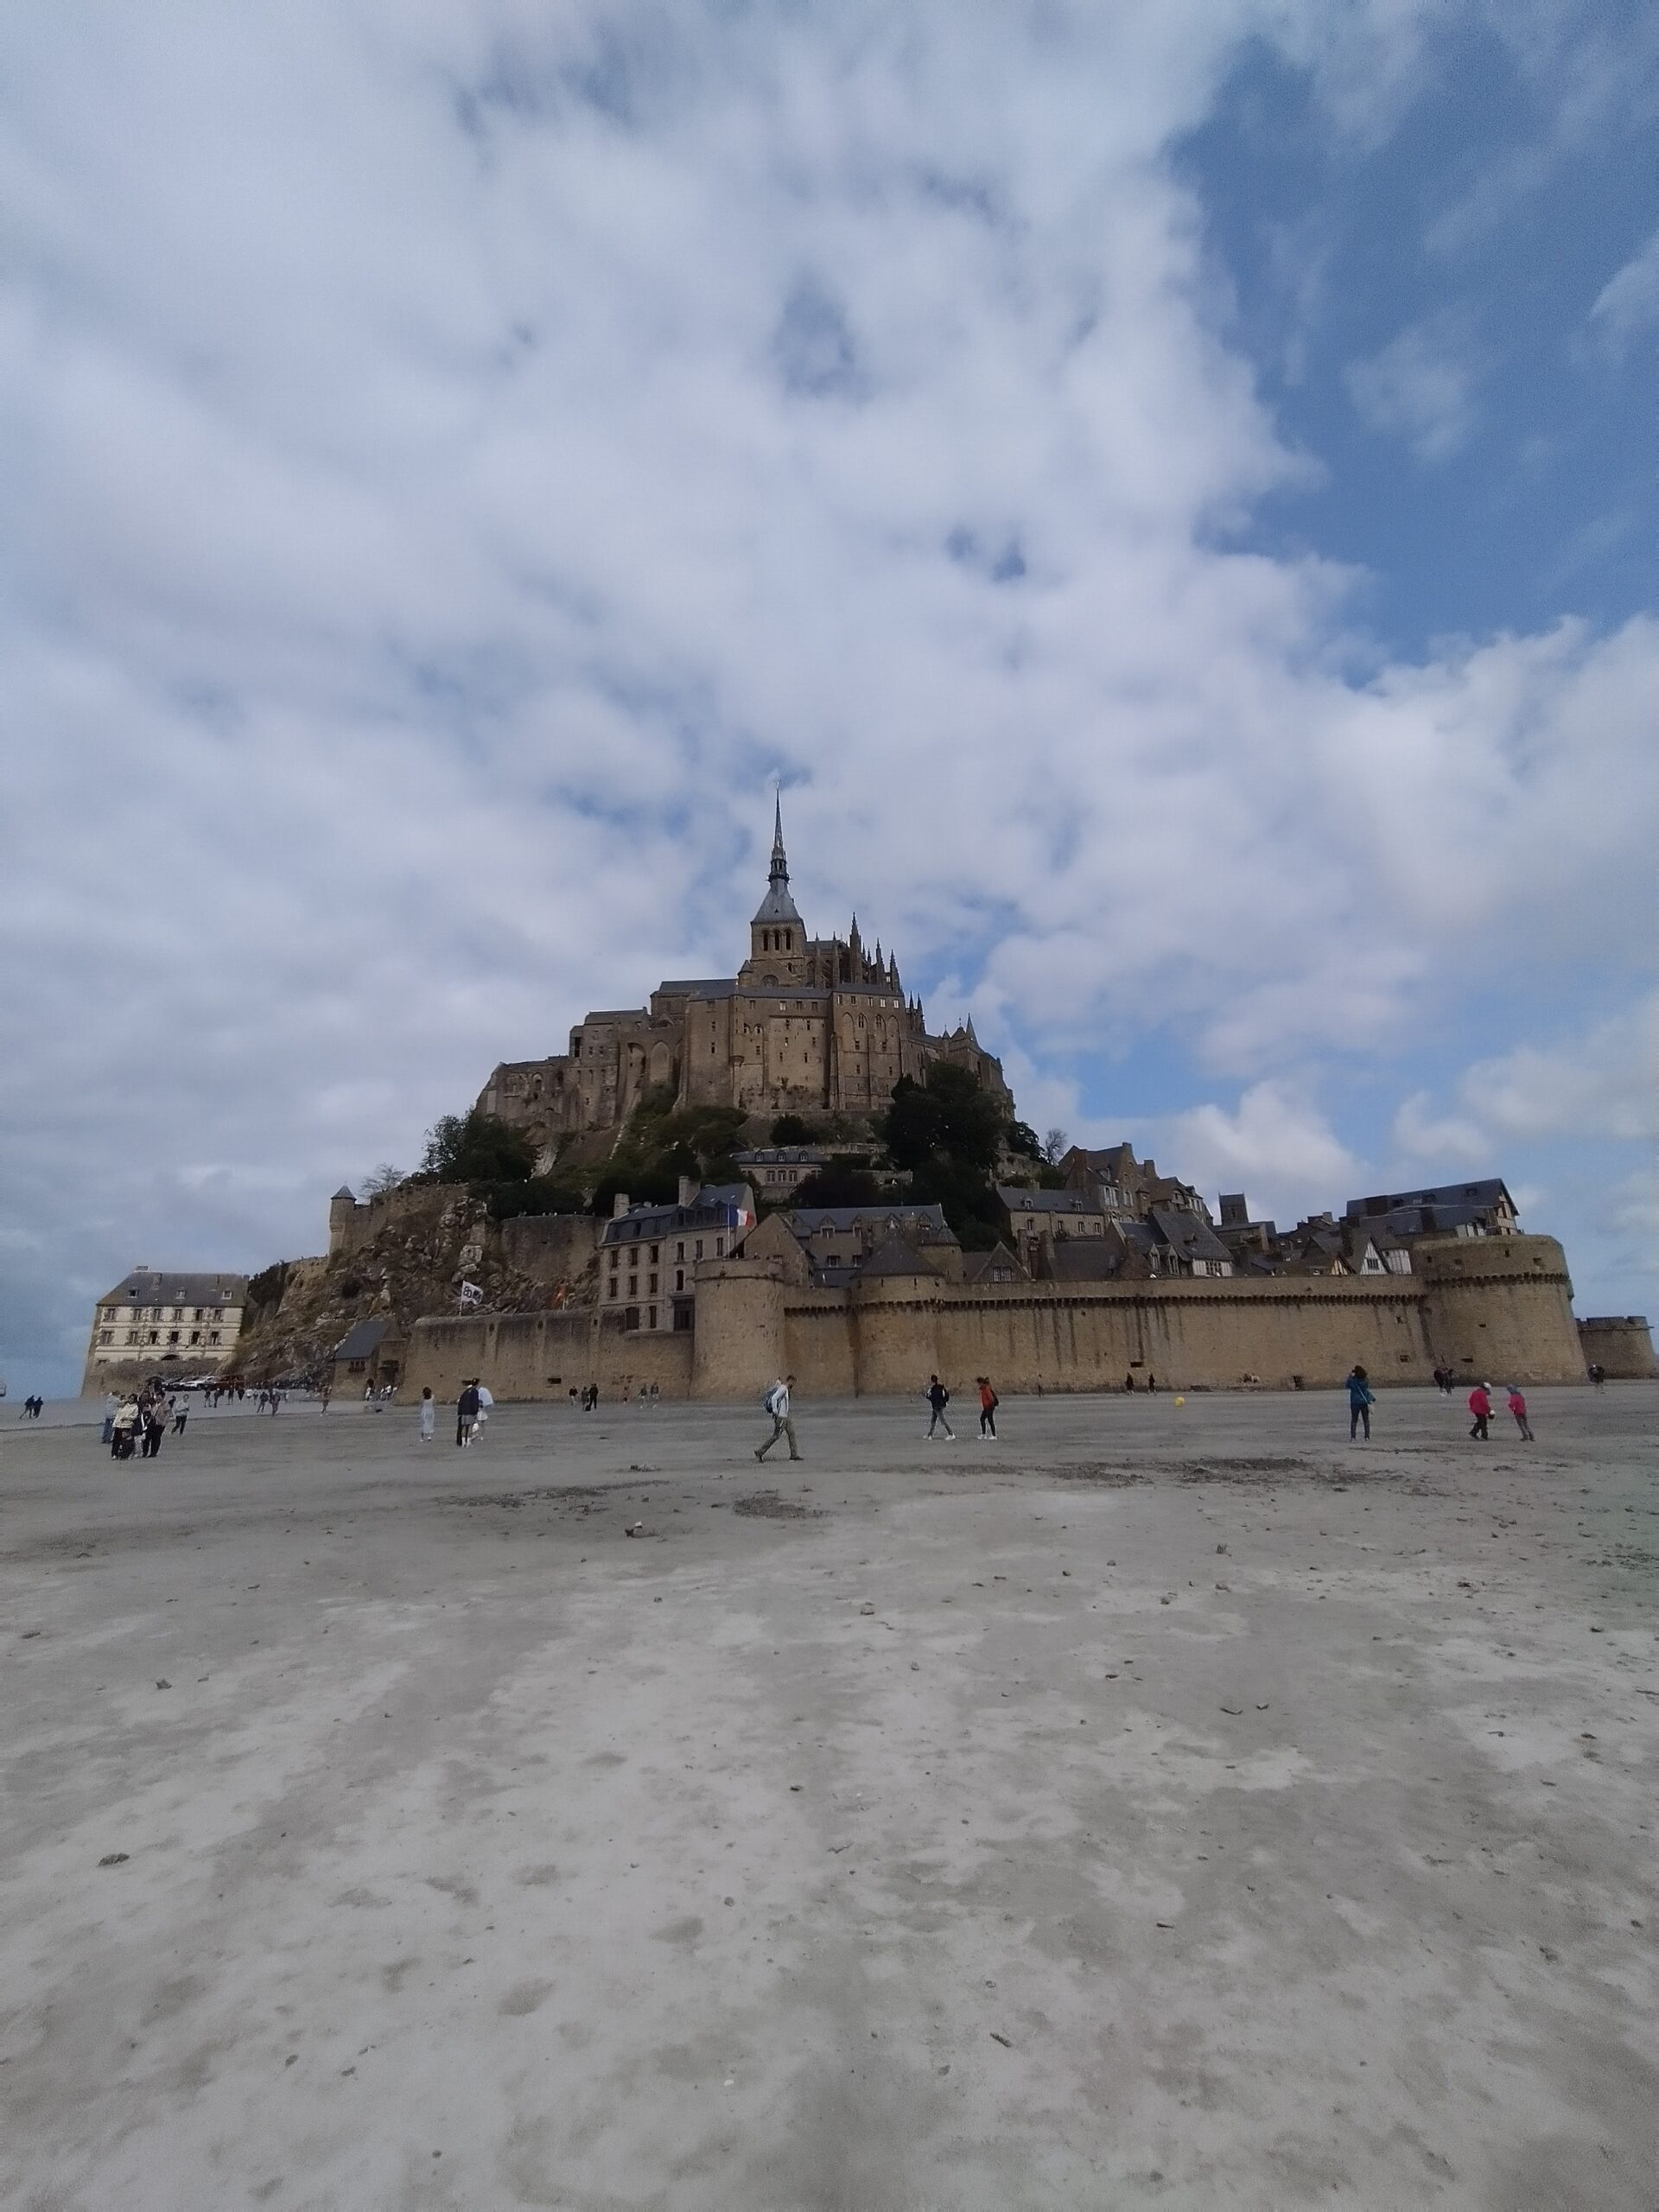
[(1164, 1806)]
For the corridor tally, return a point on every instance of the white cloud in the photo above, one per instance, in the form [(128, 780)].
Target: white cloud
[(1447, 1140), (1602, 1084), (1628, 302), (1277, 1146), (454, 452), (1421, 388)]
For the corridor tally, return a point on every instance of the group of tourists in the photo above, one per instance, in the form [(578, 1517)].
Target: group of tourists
[(473, 1409), (139, 1421), (1361, 1399)]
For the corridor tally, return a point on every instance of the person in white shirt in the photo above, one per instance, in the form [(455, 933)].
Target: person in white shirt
[(485, 1402), (776, 1404)]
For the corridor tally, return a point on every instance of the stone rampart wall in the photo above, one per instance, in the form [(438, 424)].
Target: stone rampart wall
[(1505, 1313), (550, 1247), (543, 1356), (1188, 1335), (1622, 1345), (1499, 1308), (351, 1227)]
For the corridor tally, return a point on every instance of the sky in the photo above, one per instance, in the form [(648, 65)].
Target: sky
[(1168, 489)]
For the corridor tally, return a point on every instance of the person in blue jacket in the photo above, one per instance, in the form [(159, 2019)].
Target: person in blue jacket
[(1360, 1402)]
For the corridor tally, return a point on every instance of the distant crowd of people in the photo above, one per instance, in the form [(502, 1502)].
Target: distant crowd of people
[(138, 1421)]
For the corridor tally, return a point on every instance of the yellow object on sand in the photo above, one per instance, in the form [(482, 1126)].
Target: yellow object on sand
[(1181, 1402)]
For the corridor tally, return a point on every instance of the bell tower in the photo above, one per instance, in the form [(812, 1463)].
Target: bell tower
[(778, 935)]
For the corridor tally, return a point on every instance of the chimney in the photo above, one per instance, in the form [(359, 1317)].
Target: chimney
[(688, 1190), (619, 1205)]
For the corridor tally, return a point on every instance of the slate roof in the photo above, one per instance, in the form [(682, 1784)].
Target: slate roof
[(1084, 1259), (711, 1209), (145, 1286), (977, 1267), (895, 1257), (1017, 1200), (362, 1340), (1189, 1234), (808, 1221), (738, 1196), (1465, 1198), (778, 905)]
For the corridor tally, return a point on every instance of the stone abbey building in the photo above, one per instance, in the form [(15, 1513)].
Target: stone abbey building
[(807, 1026)]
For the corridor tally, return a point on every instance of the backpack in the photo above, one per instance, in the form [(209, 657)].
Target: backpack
[(770, 1402), (996, 1401)]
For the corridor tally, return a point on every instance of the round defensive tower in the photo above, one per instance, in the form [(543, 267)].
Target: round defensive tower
[(1499, 1309)]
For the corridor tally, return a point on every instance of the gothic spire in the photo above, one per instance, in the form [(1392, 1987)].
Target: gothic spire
[(778, 905)]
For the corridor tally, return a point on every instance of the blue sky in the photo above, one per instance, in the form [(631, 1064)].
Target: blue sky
[(1169, 489)]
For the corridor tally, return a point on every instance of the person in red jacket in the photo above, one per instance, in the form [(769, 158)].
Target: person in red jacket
[(1480, 1405), (1518, 1408), (989, 1402)]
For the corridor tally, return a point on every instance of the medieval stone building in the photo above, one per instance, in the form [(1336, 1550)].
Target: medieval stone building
[(809, 1025)]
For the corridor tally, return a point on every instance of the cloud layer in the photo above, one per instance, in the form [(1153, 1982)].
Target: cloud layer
[(456, 454)]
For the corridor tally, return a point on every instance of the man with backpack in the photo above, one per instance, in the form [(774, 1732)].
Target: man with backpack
[(776, 1404), (938, 1397)]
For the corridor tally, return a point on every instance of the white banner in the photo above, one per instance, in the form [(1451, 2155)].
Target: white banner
[(471, 1294)]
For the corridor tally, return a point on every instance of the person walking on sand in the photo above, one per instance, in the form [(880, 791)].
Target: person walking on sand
[(1360, 1402), (938, 1397), (155, 1426), (181, 1414), (1518, 1408), (429, 1415), (1480, 1405), (466, 1412), (989, 1402), (486, 1402), (776, 1404)]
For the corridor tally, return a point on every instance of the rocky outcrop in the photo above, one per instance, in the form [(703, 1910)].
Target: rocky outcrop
[(408, 1262)]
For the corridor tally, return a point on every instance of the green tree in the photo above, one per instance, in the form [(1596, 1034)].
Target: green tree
[(950, 1115), (477, 1148), (837, 1183), (1024, 1140), (790, 1128), (541, 1194)]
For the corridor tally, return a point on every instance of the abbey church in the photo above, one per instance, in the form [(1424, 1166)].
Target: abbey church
[(809, 1025)]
